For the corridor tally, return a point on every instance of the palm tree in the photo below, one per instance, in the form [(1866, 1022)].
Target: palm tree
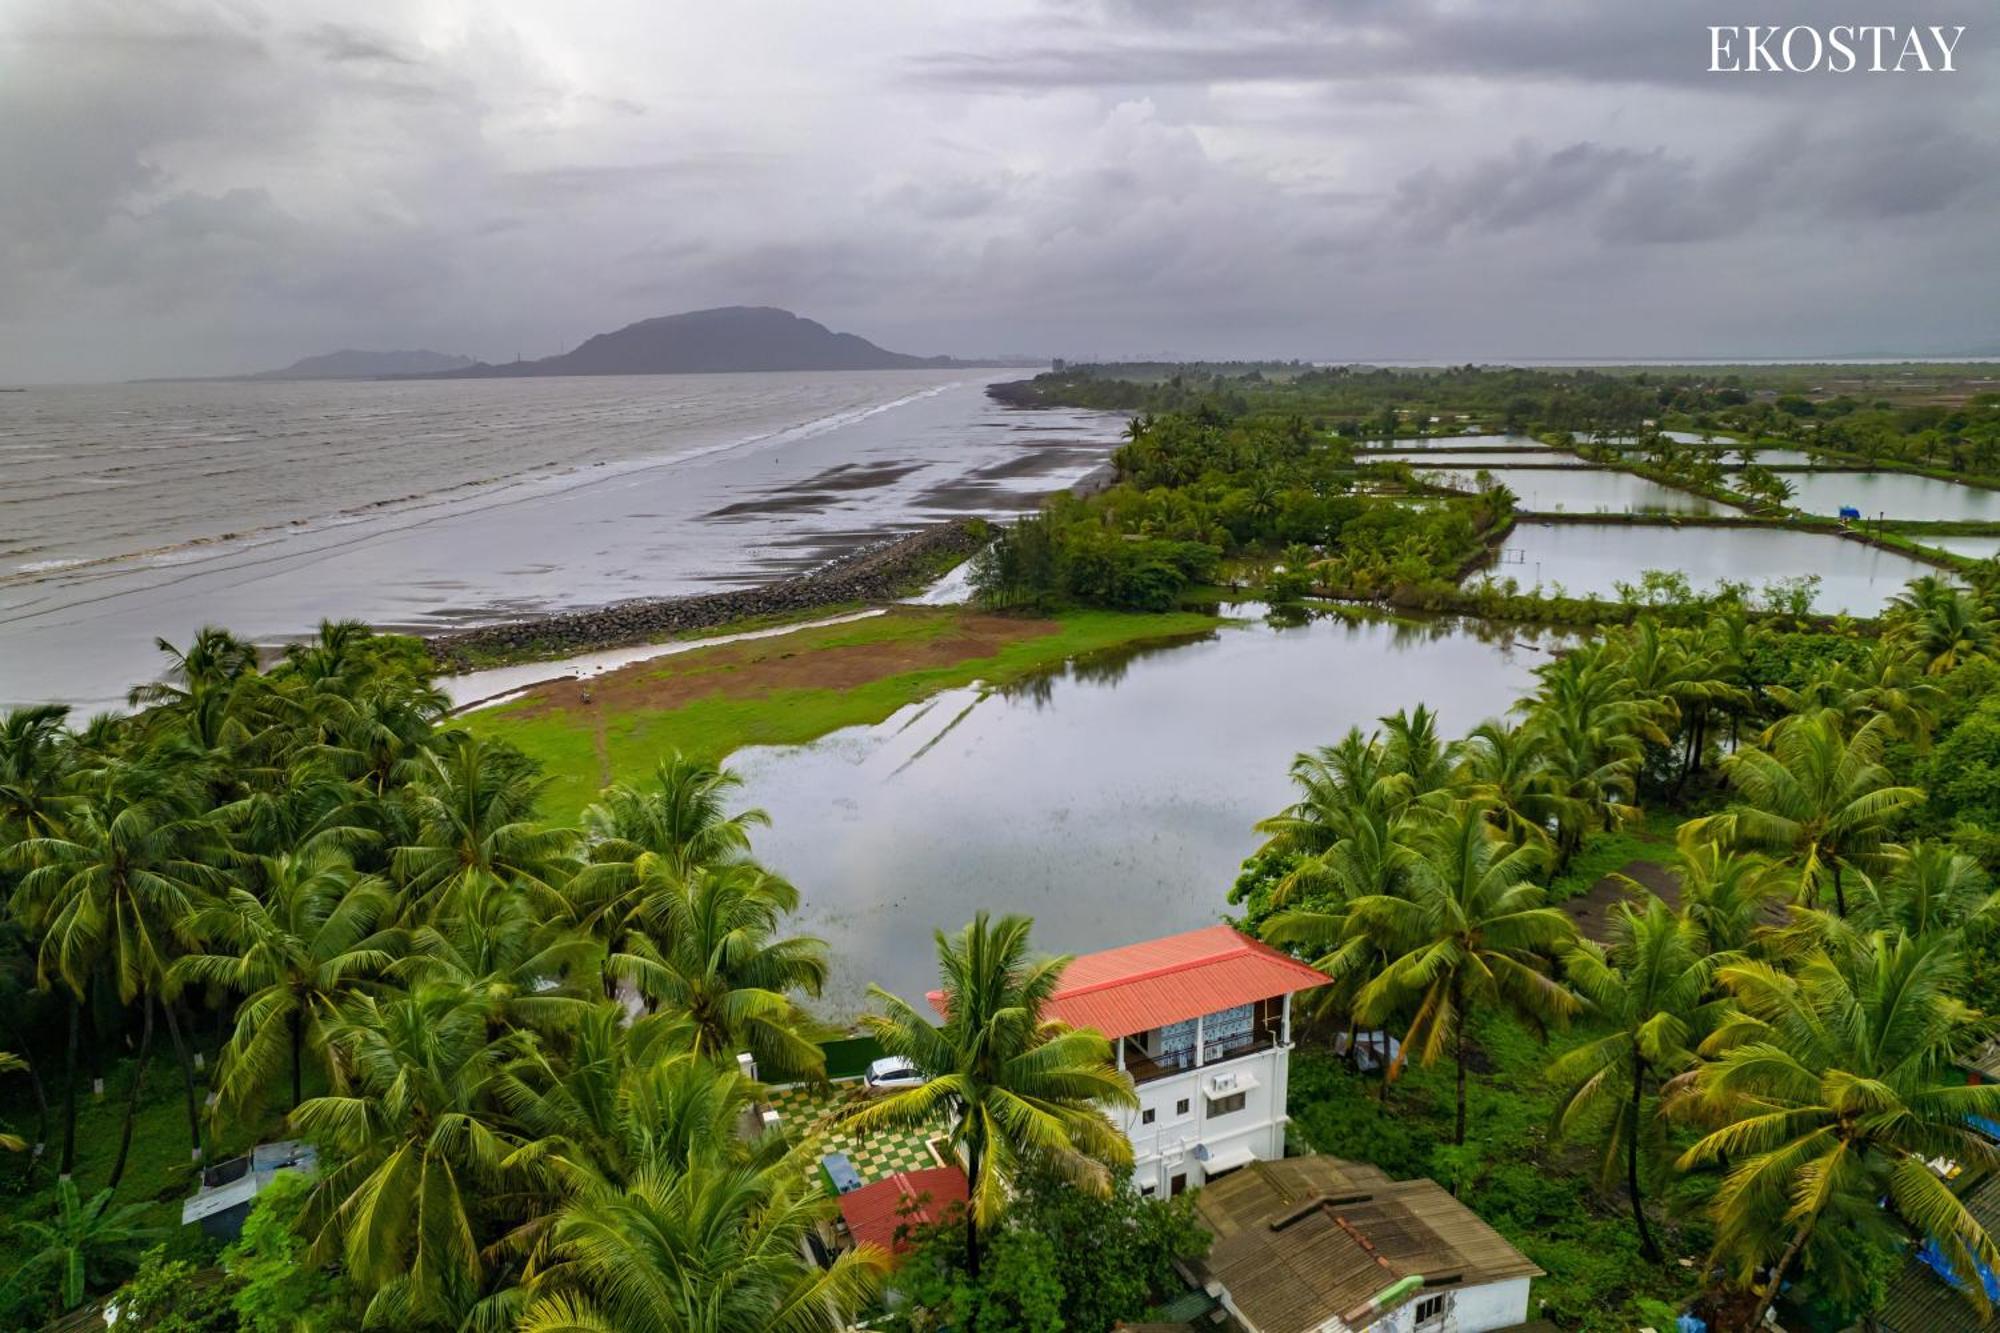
[(627, 1091), (1943, 624), (1651, 987), (1724, 894), (82, 1247), (1506, 769), (32, 764), (1009, 1085), (644, 838), (425, 1160), (1819, 798), (1834, 1087), (1595, 727), (473, 807), (295, 955), (1470, 930), (709, 947), (116, 891), (706, 1248)]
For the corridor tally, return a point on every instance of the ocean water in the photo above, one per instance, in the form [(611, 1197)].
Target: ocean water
[(129, 512)]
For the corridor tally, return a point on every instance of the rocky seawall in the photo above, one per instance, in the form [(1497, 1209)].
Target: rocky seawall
[(881, 572)]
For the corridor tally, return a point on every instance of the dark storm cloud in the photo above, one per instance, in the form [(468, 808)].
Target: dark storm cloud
[(196, 185)]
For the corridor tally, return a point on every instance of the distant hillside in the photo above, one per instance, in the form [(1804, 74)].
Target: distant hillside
[(348, 364), (727, 339)]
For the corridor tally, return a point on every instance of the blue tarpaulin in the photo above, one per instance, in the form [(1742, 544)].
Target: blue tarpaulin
[(1933, 1258)]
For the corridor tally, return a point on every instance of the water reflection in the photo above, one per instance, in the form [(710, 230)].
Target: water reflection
[(1586, 559), (1110, 799)]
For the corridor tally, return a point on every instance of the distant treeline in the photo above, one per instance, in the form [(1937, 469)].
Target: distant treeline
[(1789, 403)]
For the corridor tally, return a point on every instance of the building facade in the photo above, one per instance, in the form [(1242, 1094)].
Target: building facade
[(1202, 1023)]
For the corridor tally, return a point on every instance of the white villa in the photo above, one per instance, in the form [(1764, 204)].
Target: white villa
[(1203, 1024)]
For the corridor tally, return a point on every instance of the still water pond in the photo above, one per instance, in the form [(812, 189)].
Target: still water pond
[(1111, 800), (1586, 559), (1497, 458), (1894, 494), (1979, 548), (1583, 491)]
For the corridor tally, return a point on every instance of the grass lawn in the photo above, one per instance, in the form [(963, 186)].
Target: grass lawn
[(788, 690), (159, 1173)]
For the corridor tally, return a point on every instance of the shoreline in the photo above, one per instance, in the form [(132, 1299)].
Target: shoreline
[(887, 570)]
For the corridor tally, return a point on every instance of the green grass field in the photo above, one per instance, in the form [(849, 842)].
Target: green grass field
[(716, 700)]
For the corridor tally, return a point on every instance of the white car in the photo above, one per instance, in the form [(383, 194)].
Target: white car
[(892, 1072), (1370, 1051)]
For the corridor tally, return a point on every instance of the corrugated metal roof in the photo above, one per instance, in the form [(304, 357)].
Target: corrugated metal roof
[(1306, 1239), (1918, 1300), (1141, 986), (876, 1212)]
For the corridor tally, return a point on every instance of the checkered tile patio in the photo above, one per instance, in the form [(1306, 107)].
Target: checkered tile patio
[(875, 1157)]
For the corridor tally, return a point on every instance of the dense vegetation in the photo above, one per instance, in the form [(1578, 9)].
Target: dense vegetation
[(513, 1042), (297, 902), (1763, 1065), (1195, 490), (1951, 421)]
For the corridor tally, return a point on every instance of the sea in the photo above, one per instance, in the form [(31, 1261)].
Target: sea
[(135, 512)]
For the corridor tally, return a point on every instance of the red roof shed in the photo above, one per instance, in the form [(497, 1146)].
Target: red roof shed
[(908, 1199)]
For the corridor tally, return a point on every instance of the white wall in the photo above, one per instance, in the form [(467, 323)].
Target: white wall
[(1166, 1147)]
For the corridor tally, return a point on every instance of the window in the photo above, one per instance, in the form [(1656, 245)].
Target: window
[(1146, 1116), (1181, 1106), (1178, 1186), (1226, 1105), (1431, 1309)]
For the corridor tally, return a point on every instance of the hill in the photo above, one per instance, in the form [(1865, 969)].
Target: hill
[(348, 364), (730, 338)]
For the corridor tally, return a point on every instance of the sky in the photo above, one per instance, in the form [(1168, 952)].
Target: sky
[(212, 186)]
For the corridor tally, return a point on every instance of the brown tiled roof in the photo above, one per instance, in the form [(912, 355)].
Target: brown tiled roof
[(1302, 1240)]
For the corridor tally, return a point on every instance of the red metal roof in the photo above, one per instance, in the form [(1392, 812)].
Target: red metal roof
[(907, 1199), (1139, 986)]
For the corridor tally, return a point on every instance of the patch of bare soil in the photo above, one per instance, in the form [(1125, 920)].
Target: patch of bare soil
[(1593, 911), (765, 666)]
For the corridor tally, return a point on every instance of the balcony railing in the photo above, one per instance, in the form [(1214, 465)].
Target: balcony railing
[(1266, 1031)]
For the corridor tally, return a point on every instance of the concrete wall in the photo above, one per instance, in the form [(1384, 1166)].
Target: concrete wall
[(1166, 1147)]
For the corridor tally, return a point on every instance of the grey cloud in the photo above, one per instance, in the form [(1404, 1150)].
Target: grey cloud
[(200, 187), (340, 43)]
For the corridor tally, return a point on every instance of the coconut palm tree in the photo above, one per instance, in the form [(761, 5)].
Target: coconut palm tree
[(1007, 1085), (1833, 1088), (473, 805), (1506, 769), (83, 1247), (1651, 988), (1725, 895), (709, 948), (702, 1248), (624, 1091), (1595, 727), (1470, 931), (1819, 798), (295, 954), (116, 892), (644, 838), (32, 765), (1942, 623), (427, 1168)]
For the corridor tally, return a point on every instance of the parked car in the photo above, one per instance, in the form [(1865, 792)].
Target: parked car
[(893, 1072), (1370, 1050)]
